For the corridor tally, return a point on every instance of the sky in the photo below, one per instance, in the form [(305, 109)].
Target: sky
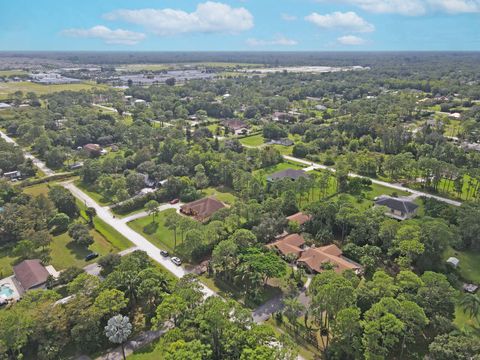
[(239, 25)]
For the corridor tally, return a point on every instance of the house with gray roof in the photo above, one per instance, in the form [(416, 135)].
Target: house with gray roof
[(398, 208), (291, 174)]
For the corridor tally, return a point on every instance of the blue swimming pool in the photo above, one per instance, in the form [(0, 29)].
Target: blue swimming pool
[(6, 291)]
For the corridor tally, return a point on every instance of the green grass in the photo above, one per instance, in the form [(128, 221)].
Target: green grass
[(255, 140), (221, 193), (89, 190), (8, 73), (39, 189), (6, 259), (469, 267), (463, 321), (263, 173), (447, 187), (9, 88), (156, 232)]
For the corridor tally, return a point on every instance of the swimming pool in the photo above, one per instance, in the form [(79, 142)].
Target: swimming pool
[(6, 291)]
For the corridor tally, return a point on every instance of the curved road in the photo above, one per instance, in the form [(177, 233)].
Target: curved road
[(416, 193)]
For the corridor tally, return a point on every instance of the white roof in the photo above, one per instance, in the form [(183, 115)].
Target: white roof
[(453, 260)]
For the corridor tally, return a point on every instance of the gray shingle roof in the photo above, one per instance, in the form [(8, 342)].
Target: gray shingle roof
[(287, 173), (399, 204)]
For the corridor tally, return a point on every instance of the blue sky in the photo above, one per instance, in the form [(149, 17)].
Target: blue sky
[(291, 25)]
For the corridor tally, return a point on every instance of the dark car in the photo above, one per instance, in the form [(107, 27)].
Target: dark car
[(91, 256), (174, 201), (164, 253)]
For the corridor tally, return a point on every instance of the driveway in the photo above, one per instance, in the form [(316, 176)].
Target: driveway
[(133, 236), (142, 214), (94, 269)]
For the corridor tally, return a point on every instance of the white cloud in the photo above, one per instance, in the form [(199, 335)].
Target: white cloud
[(348, 21), (288, 17), (414, 7), (279, 40), (118, 36), (208, 17), (350, 40)]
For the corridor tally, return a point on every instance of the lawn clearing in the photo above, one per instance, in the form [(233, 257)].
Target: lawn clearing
[(156, 232), (6, 259), (221, 193), (39, 189), (8, 73), (6, 89), (255, 140), (90, 191), (469, 267)]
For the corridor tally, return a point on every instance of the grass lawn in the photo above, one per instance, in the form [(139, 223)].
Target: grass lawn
[(38, 189), (156, 232), (89, 190), (469, 267), (464, 321), (448, 188), (5, 262), (255, 140), (6, 73), (9, 88), (221, 193)]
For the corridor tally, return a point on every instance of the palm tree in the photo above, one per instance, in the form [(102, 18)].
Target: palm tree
[(118, 330), (471, 305)]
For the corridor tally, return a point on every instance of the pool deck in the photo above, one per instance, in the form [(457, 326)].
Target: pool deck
[(12, 284)]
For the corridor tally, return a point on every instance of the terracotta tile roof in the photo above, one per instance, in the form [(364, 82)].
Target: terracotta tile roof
[(315, 258), (299, 218), (202, 209), (289, 244), (30, 273)]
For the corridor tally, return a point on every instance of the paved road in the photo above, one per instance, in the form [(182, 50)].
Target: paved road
[(38, 163), (314, 166), (105, 108), (133, 236)]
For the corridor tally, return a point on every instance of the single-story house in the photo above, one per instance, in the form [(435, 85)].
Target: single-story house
[(4, 106), (31, 274), (202, 209), (291, 174), (453, 261), (300, 218), (11, 175), (470, 288), (291, 244), (93, 149), (282, 142), (327, 257), (398, 208), (236, 126)]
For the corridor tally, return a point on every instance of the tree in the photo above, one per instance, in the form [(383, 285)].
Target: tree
[(454, 346), (80, 234), (347, 334), (64, 201), (192, 350), (292, 310), (152, 208), (91, 213), (59, 223), (108, 263), (468, 224), (110, 302), (172, 221), (118, 330), (471, 305), (436, 296)]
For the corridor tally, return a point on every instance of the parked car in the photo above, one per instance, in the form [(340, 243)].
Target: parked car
[(164, 253), (91, 256), (174, 201), (176, 261)]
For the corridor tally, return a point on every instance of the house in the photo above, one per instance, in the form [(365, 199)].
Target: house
[(453, 261), (283, 142), (321, 107), (13, 175), (4, 106), (31, 274), (327, 257), (282, 116), (291, 244), (291, 174), (93, 149), (398, 208), (76, 166), (236, 126), (300, 218), (202, 209)]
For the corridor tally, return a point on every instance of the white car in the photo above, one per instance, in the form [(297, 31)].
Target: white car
[(176, 261)]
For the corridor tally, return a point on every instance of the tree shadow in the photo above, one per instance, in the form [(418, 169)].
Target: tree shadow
[(150, 228)]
